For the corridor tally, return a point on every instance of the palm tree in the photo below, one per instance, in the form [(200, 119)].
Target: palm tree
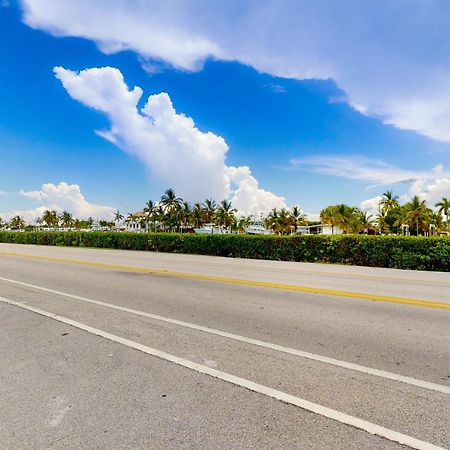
[(50, 218), (366, 219), (149, 207), (327, 216), (117, 218), (151, 211), (17, 222), (66, 219), (2, 224), (381, 221), (280, 221), (284, 221), (298, 218), (178, 216), (158, 217), (210, 207), (416, 213), (342, 216), (362, 221), (169, 200), (198, 215), (271, 219), (242, 223), (388, 201), (224, 215), (437, 220), (185, 214), (172, 218), (444, 207)]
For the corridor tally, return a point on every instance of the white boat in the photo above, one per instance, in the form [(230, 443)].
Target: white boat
[(257, 228), (210, 229)]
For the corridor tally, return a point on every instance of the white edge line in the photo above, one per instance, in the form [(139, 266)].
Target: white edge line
[(333, 414), (292, 351)]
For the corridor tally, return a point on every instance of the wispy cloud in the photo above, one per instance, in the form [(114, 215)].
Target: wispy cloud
[(401, 76), (278, 88), (357, 167), (430, 185)]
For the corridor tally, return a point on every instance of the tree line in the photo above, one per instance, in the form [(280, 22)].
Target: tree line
[(416, 216), (53, 219), (173, 214)]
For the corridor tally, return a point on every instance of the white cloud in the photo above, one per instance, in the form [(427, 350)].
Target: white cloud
[(60, 197), (30, 215), (433, 188), (277, 88), (429, 189), (401, 75), (248, 198), (357, 167), (168, 143), (371, 205), (116, 27), (313, 216), (430, 185)]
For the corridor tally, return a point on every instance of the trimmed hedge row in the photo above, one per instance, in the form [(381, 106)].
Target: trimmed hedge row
[(419, 253)]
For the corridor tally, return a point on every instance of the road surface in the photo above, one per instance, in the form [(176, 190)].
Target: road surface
[(117, 349)]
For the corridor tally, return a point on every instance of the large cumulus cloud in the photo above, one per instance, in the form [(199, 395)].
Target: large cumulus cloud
[(168, 143)]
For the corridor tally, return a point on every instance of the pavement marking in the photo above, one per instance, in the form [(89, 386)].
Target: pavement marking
[(240, 281), (324, 411), (302, 271), (312, 356), (168, 257)]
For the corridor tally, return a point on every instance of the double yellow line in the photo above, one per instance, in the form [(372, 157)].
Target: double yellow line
[(239, 281)]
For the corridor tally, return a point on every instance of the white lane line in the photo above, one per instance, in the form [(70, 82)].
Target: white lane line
[(292, 351), (333, 414)]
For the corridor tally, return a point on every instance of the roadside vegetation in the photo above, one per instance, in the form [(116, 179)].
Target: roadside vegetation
[(366, 240), (417, 253)]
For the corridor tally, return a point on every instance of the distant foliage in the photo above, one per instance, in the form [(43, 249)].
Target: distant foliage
[(419, 253)]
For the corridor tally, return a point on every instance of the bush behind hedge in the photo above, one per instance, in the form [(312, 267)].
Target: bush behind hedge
[(419, 253)]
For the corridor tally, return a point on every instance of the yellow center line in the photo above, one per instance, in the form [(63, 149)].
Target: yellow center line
[(240, 281)]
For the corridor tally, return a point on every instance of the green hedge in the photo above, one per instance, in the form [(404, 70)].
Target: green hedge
[(418, 253)]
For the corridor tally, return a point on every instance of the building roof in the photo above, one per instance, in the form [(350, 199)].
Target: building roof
[(140, 214)]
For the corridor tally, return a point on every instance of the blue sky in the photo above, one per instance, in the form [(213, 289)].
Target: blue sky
[(309, 134)]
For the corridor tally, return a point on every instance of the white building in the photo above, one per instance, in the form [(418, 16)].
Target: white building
[(328, 229), (323, 228), (138, 223)]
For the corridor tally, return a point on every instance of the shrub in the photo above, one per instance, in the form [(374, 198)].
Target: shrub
[(420, 253)]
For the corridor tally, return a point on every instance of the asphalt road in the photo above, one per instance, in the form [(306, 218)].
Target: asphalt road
[(116, 349)]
